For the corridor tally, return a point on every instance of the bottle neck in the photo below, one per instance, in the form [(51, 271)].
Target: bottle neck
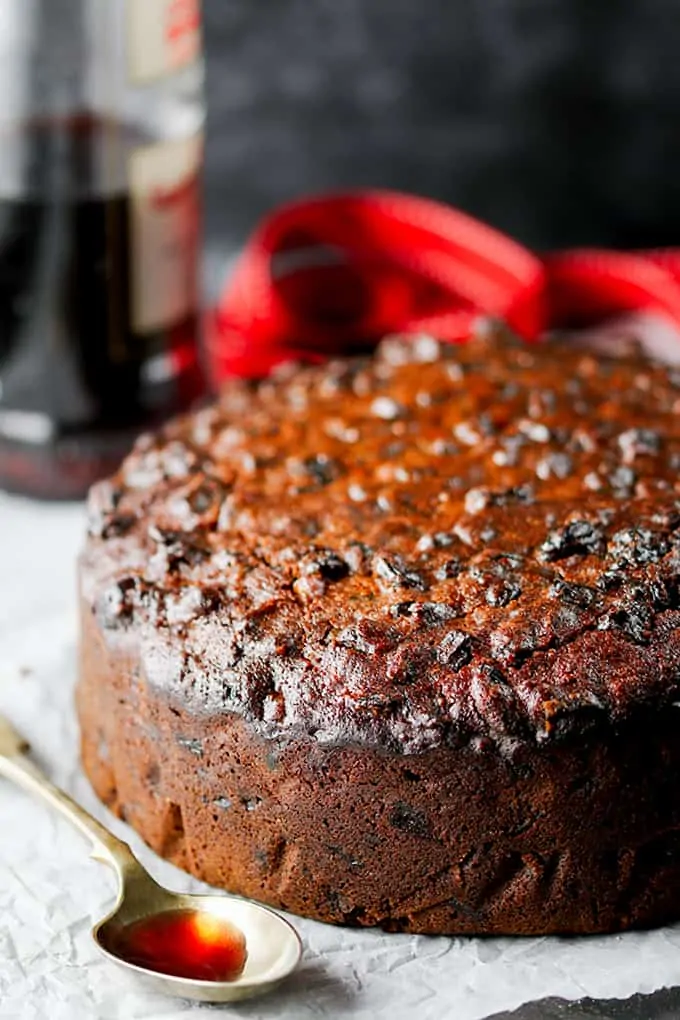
[(107, 57), (88, 82)]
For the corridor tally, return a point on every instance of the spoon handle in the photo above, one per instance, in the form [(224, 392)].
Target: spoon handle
[(16, 766)]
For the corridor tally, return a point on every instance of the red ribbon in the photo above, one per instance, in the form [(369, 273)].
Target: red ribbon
[(334, 274)]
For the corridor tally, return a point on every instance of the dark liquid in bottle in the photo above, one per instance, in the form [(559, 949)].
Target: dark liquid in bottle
[(77, 379), (184, 943)]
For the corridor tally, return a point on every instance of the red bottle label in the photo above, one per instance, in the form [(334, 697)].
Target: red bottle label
[(164, 189), (163, 37)]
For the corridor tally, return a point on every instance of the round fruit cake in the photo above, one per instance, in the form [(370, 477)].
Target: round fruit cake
[(395, 640)]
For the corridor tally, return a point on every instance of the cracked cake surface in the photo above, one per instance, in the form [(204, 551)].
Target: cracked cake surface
[(431, 545)]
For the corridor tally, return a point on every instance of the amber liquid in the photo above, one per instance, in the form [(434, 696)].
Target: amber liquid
[(184, 943), (77, 381)]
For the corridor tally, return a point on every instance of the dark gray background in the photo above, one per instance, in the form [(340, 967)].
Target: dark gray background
[(557, 120)]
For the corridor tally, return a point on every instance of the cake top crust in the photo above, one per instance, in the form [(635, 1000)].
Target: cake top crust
[(430, 545)]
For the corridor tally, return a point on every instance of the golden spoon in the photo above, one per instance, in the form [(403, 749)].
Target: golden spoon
[(218, 923)]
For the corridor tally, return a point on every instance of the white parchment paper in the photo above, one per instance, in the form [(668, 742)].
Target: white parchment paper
[(51, 893)]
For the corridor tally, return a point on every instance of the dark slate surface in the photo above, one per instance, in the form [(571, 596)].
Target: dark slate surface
[(661, 1005), (558, 120)]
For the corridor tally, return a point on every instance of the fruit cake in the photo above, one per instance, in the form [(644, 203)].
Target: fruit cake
[(395, 640)]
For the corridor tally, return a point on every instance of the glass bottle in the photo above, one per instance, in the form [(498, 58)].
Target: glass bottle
[(101, 147)]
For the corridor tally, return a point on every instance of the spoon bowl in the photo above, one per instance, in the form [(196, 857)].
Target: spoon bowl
[(272, 946)]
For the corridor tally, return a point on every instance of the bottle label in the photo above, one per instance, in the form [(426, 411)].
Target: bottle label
[(165, 211), (163, 37)]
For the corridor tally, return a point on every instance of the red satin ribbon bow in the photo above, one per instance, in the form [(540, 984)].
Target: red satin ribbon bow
[(330, 275)]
